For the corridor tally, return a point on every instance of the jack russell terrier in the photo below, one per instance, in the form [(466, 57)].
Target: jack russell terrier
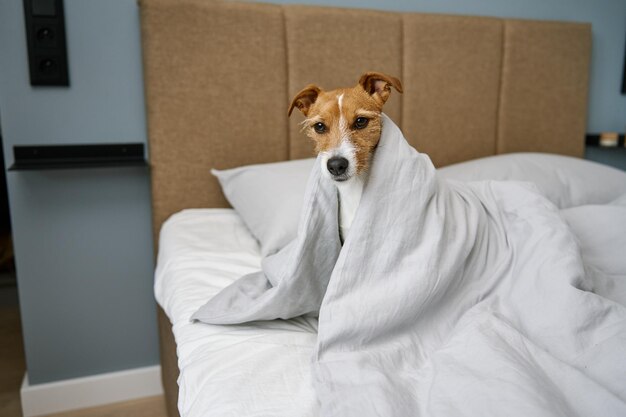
[(345, 125)]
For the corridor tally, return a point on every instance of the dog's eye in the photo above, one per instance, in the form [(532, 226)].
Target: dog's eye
[(319, 127), (361, 122)]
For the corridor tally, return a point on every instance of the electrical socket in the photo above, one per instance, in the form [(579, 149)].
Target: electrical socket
[(45, 35)]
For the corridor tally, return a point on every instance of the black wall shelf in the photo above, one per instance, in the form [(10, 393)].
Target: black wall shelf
[(593, 139), (42, 157)]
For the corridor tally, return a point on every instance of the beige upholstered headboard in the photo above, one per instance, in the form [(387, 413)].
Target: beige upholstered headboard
[(220, 75)]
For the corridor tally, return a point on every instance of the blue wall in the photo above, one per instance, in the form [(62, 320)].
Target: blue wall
[(83, 240)]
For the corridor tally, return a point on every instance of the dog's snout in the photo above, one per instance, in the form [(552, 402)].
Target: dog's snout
[(337, 166)]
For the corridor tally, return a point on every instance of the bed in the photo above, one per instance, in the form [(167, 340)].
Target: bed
[(218, 79)]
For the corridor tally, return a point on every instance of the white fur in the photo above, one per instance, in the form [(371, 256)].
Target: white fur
[(350, 190), (343, 125), (345, 148), (349, 198)]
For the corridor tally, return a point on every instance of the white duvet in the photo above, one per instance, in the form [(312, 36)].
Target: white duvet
[(253, 370)]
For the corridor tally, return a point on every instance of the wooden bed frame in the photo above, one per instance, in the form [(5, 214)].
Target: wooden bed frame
[(220, 75)]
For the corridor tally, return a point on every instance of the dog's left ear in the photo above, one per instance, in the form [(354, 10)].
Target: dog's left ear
[(378, 85)]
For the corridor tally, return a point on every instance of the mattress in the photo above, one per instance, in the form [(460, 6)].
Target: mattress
[(263, 368), (258, 369)]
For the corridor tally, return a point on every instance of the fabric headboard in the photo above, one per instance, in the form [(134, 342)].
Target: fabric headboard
[(219, 77)]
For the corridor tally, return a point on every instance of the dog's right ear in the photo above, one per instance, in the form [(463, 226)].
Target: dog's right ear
[(304, 99)]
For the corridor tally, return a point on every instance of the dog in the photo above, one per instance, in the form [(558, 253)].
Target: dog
[(345, 125)]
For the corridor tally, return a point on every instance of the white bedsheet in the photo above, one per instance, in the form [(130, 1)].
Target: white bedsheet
[(260, 369), (263, 369)]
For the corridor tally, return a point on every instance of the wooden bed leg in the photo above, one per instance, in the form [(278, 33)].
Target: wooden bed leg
[(169, 363)]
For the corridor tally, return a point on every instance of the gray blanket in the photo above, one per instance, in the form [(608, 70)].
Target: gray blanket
[(445, 299)]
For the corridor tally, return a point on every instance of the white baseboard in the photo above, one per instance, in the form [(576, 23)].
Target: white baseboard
[(90, 391)]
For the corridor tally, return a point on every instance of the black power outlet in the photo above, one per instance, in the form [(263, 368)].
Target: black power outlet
[(45, 34)]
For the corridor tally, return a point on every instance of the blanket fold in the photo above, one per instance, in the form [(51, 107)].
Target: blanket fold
[(445, 299), (293, 281)]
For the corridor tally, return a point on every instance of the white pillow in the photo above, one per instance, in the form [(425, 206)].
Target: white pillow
[(566, 181), (269, 197)]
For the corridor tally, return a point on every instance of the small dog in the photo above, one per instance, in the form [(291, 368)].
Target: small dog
[(345, 125)]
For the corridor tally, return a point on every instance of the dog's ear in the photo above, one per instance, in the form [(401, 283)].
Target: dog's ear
[(304, 99), (378, 85)]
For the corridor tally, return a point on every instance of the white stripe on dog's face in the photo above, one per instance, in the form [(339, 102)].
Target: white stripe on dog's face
[(343, 126), (344, 150)]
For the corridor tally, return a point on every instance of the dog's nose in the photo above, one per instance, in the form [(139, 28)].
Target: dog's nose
[(337, 165)]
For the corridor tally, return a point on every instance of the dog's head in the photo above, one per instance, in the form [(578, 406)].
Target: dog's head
[(345, 123)]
